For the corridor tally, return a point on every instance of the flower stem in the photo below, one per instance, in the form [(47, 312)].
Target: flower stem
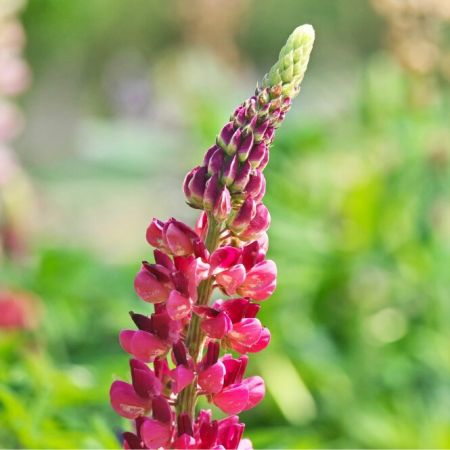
[(195, 337)]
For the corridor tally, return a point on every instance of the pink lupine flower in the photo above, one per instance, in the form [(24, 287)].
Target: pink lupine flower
[(173, 237), (260, 282), (226, 251), (157, 432), (126, 402), (238, 394), (152, 283), (142, 345)]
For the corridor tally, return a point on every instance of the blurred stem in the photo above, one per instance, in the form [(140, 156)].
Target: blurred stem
[(195, 337)]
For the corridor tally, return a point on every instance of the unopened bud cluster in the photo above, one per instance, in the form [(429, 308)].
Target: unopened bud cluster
[(230, 183), (198, 348)]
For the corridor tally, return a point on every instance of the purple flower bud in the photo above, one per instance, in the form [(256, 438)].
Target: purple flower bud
[(211, 150), (239, 116), (257, 154), (212, 353), (256, 185), (180, 353), (245, 147), (264, 162), (269, 134), (211, 192), (260, 130), (161, 409), (222, 207), (225, 136), (216, 161), (242, 177), (194, 186), (250, 108), (184, 424), (244, 216), (234, 142), (229, 171)]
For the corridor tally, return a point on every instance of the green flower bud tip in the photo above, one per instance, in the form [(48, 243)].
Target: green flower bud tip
[(292, 62)]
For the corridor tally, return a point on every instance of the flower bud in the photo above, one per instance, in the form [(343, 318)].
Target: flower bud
[(224, 138), (222, 207), (234, 143), (211, 192), (230, 169), (216, 161), (211, 150), (256, 185), (245, 147), (244, 216), (194, 186), (154, 234), (260, 130), (242, 177), (264, 162), (257, 154), (239, 116), (269, 135)]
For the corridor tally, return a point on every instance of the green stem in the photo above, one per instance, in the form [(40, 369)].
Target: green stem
[(195, 337)]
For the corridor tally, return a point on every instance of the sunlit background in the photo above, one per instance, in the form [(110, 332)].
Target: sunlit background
[(120, 100)]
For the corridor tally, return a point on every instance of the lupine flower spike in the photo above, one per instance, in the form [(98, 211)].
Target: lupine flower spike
[(195, 348)]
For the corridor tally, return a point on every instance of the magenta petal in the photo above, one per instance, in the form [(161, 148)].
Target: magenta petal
[(231, 279), (217, 327), (233, 399), (125, 339), (259, 224), (154, 233), (149, 288), (211, 379), (126, 402), (257, 390), (260, 282), (258, 346), (177, 239), (178, 306), (146, 346), (155, 434), (224, 258), (246, 332), (182, 377), (184, 442)]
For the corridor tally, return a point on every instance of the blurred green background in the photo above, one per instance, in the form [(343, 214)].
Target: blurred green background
[(125, 98)]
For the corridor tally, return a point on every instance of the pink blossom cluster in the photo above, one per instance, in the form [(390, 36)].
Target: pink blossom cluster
[(181, 263)]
